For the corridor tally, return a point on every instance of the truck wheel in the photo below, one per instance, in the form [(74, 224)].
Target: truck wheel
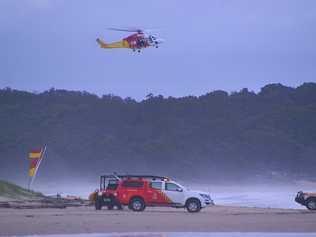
[(119, 207), (311, 203), (117, 203), (137, 204), (98, 203), (193, 205)]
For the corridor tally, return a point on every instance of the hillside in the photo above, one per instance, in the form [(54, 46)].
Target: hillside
[(242, 135), (12, 191)]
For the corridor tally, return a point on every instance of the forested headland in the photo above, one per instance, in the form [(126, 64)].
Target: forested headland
[(220, 135)]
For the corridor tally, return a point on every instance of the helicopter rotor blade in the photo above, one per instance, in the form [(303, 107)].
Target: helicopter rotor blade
[(151, 30), (134, 29), (126, 29)]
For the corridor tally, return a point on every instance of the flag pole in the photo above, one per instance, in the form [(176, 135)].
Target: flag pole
[(39, 162), (29, 184)]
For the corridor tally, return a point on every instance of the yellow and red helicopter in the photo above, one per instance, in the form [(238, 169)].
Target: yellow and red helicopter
[(139, 40)]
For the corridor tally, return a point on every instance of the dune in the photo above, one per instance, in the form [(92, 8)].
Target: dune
[(13, 192)]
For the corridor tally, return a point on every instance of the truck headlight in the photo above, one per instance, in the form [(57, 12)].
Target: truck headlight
[(205, 196)]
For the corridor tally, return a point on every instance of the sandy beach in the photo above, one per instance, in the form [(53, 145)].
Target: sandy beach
[(212, 219)]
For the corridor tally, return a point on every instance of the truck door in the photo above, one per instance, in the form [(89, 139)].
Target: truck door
[(174, 192), (154, 192)]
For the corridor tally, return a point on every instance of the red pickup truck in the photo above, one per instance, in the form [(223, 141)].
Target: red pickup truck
[(139, 191)]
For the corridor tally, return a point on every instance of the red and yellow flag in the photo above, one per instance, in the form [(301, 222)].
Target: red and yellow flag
[(35, 156)]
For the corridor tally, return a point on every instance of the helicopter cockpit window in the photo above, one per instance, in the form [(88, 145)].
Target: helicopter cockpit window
[(152, 38)]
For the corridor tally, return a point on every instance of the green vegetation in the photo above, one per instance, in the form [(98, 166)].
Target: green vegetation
[(13, 191), (219, 135)]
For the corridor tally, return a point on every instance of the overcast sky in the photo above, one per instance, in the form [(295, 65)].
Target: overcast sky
[(210, 45)]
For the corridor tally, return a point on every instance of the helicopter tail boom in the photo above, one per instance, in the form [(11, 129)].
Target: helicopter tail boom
[(101, 43), (119, 44)]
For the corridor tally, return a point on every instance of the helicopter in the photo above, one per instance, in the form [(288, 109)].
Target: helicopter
[(140, 39)]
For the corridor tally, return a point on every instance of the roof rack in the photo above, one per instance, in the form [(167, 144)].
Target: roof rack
[(128, 176)]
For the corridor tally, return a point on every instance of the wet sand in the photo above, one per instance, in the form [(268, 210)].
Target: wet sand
[(211, 219)]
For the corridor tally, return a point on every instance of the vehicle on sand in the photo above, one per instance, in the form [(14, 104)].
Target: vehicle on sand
[(139, 191), (306, 199)]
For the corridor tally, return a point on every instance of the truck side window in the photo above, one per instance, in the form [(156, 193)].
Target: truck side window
[(156, 185), (112, 185), (133, 184), (172, 187)]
